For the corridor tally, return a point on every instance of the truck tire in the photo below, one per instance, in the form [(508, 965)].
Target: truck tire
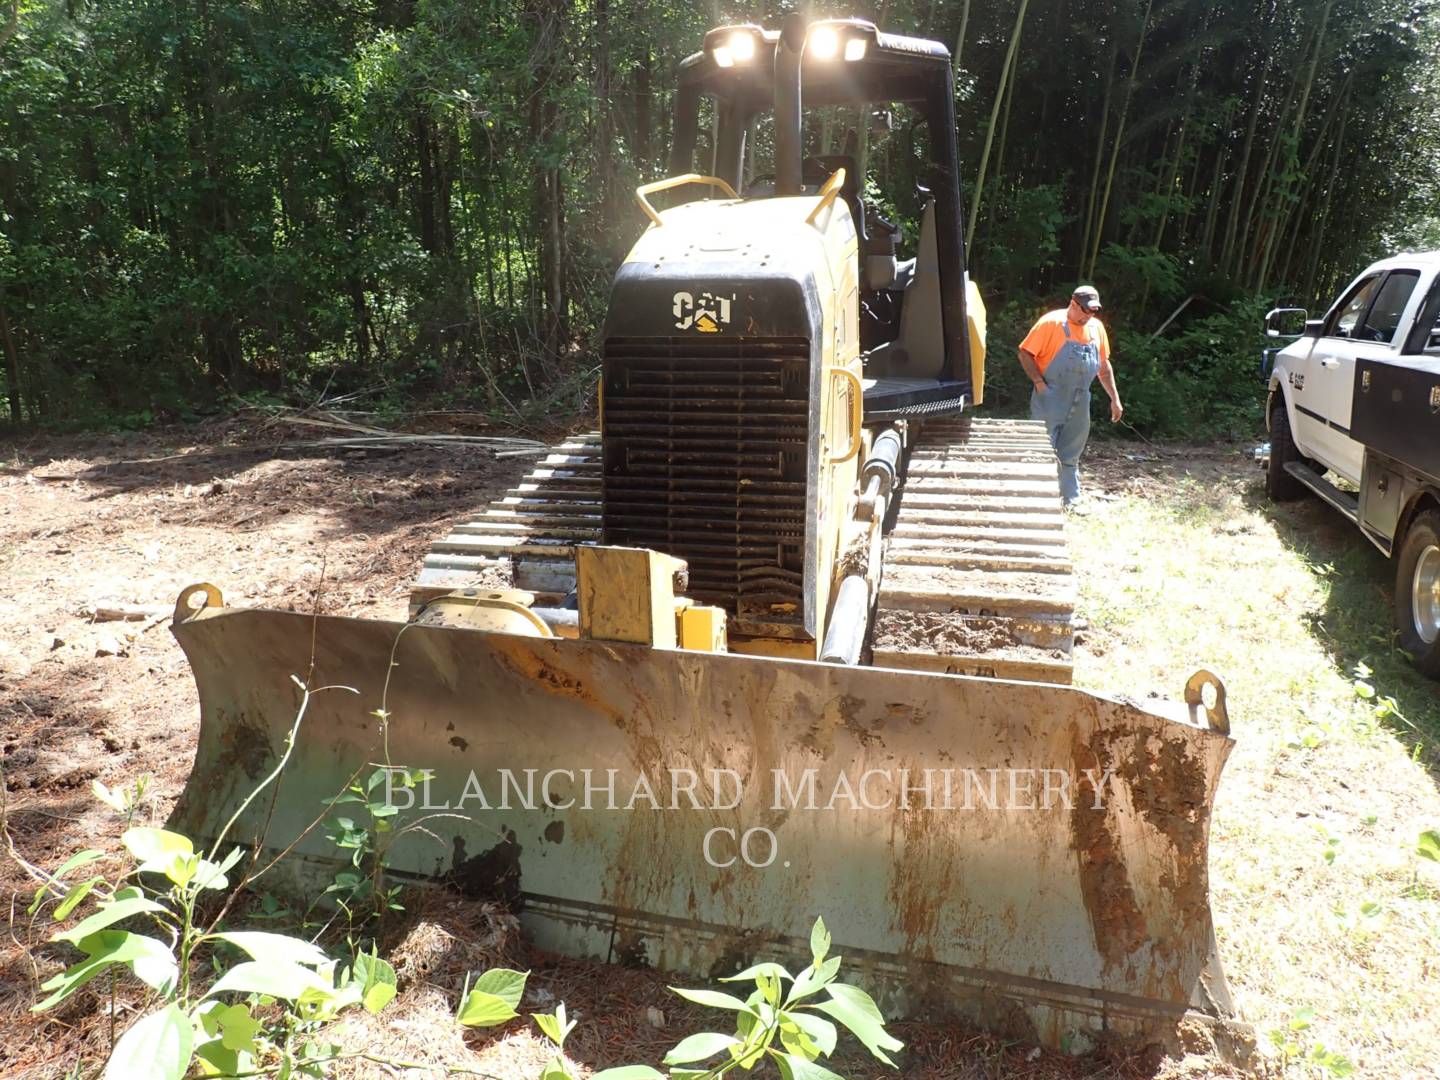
[(1417, 592), (1279, 484)]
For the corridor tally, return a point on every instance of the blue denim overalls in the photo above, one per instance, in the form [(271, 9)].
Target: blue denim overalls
[(1064, 404)]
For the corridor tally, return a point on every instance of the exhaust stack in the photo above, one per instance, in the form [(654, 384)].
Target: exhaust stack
[(788, 147)]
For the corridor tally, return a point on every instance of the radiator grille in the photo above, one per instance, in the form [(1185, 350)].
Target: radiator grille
[(705, 459)]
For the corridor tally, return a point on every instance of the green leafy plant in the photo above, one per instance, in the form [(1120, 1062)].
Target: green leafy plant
[(785, 1021), (1291, 1042), (270, 992), (1383, 707), (362, 891), (1428, 846), (125, 801)]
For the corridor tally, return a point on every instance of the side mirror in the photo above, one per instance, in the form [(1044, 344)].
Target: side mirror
[(1288, 322)]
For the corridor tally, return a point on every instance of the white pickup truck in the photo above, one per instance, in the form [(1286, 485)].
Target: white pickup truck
[(1357, 396)]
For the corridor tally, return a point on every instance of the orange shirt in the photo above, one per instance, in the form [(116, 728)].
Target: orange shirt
[(1048, 335)]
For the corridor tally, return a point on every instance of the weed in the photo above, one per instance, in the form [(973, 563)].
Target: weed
[(1291, 1042), (801, 1022), (270, 993)]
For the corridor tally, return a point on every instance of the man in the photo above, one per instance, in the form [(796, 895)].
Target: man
[(1063, 354)]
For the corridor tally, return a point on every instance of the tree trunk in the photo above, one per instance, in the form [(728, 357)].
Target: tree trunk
[(1005, 73), (1099, 158), (12, 369), (1283, 204), (1232, 222), (1119, 141)]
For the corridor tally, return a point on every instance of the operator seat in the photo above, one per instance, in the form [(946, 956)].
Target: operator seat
[(879, 239)]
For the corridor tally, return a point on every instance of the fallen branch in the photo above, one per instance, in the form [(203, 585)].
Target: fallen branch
[(358, 442), (122, 613)]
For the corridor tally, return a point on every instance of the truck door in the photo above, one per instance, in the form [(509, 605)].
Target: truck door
[(1367, 326), (1316, 383)]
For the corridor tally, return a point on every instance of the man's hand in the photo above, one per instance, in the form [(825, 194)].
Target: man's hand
[(1041, 385), (1116, 410)]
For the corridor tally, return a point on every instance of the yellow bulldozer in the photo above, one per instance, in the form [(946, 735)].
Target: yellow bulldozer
[(789, 636)]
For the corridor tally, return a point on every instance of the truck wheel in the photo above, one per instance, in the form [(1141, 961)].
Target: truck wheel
[(1279, 484), (1417, 593)]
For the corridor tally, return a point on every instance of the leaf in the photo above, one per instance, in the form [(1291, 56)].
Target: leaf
[(178, 867), (700, 1046), (152, 848), (216, 1059), (493, 998), (819, 1030), (1428, 846), (150, 960), (819, 941), (713, 999), (80, 858), (278, 978), (1302, 1018), (794, 1039), (812, 981), (375, 979), (77, 892), (555, 1070), (766, 970), (858, 1012), (280, 948), (108, 915), (552, 1027), (793, 1067), (238, 1028), (629, 1072), (209, 875), (116, 800), (158, 1047)]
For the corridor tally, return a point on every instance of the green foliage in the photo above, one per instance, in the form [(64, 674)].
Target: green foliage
[(218, 1024), (492, 999), (1291, 1042), (1197, 380), (207, 199), (363, 892), (802, 1022), (268, 993)]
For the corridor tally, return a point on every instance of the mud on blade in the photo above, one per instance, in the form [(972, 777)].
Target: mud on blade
[(945, 827)]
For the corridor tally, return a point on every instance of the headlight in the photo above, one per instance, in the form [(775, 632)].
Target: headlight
[(824, 43), (855, 49), (741, 46)]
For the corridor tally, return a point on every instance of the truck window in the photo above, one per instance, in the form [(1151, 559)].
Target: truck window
[(1384, 316), (1347, 315)]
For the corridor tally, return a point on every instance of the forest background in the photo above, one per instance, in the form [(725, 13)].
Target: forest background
[(424, 200)]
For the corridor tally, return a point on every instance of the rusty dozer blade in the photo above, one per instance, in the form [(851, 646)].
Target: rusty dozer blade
[(1031, 857)]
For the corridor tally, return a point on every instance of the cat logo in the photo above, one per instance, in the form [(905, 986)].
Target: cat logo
[(705, 313)]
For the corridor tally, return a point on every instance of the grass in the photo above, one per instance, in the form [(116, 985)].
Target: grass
[(1328, 920)]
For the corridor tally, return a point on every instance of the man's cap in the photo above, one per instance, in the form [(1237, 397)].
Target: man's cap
[(1087, 297)]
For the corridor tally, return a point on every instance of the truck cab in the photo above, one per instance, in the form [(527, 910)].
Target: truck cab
[(1371, 320), (1353, 411)]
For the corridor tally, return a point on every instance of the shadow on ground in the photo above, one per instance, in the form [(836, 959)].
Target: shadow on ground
[(1357, 625)]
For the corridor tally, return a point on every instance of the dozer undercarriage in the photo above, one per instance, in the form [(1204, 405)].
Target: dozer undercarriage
[(711, 671)]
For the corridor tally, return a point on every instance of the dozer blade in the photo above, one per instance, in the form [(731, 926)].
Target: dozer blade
[(1047, 875)]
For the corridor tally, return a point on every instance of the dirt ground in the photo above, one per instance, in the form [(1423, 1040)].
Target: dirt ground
[(98, 523)]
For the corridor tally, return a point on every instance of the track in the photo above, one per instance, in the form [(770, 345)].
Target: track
[(977, 579)]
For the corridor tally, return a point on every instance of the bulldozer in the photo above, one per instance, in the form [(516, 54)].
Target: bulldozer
[(790, 635)]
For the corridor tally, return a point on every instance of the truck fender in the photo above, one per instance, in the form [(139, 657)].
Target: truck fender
[(1426, 498)]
